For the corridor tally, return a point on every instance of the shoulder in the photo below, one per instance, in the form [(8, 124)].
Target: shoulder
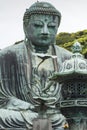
[(13, 48), (62, 53), (62, 50)]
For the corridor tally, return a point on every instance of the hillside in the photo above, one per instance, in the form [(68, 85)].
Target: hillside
[(65, 39)]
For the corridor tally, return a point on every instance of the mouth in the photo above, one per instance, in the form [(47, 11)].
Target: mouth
[(44, 37)]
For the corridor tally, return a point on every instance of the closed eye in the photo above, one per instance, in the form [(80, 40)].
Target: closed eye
[(51, 25), (38, 24)]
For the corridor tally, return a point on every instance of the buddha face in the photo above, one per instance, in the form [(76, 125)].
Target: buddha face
[(42, 29)]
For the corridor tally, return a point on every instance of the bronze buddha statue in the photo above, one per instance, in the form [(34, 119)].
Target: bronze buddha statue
[(25, 68)]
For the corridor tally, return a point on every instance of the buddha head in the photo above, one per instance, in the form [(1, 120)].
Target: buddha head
[(41, 22)]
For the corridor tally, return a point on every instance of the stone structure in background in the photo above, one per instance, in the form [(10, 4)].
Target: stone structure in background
[(73, 81)]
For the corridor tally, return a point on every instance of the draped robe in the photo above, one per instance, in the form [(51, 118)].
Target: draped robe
[(15, 83)]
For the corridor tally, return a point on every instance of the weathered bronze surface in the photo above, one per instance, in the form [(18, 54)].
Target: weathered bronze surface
[(26, 92), (73, 80)]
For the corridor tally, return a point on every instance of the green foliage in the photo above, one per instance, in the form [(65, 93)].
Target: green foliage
[(66, 40), (64, 37)]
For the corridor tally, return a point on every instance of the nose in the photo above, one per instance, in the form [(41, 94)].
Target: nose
[(45, 30)]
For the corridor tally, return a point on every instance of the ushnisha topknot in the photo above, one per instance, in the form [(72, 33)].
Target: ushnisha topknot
[(41, 8)]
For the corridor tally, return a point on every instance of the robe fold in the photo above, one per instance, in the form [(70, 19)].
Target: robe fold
[(16, 75)]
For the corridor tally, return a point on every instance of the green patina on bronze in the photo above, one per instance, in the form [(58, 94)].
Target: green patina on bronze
[(27, 93), (73, 79), (41, 8)]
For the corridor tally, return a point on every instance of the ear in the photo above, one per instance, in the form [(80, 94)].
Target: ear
[(25, 29)]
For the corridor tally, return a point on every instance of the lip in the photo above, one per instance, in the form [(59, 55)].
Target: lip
[(44, 37)]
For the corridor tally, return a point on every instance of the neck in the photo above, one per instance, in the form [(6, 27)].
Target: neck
[(41, 49), (38, 49)]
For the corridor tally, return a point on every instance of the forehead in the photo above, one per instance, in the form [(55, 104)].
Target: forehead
[(45, 17)]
